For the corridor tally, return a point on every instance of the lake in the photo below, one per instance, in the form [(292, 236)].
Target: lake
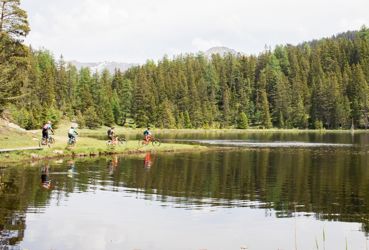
[(263, 191)]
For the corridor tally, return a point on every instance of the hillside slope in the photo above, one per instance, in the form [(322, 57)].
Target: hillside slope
[(12, 136)]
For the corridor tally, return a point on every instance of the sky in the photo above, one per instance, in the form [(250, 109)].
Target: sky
[(137, 30)]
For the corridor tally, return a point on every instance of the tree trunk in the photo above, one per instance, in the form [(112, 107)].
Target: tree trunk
[(2, 16)]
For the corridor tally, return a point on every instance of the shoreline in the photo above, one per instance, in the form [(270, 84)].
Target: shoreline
[(91, 151), (89, 143)]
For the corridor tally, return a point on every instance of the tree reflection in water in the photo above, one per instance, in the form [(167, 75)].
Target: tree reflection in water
[(329, 184)]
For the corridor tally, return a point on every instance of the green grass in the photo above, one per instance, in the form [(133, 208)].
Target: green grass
[(10, 138)]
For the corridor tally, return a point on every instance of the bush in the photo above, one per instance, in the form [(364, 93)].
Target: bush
[(318, 124)]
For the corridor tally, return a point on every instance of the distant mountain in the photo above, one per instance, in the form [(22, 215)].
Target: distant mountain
[(100, 66), (222, 51)]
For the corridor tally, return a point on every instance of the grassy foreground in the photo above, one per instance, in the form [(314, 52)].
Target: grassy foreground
[(86, 146)]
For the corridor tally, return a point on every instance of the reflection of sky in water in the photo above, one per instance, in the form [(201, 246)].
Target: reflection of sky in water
[(111, 220)]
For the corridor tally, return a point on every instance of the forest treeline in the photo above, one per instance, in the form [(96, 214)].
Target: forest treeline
[(318, 84)]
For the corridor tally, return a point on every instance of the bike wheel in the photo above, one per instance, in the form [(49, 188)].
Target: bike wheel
[(156, 142), (51, 140), (122, 141)]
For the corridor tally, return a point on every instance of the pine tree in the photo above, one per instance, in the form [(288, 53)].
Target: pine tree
[(126, 100), (91, 119), (243, 122), (358, 92), (187, 120), (13, 20), (166, 116), (140, 101), (13, 54), (263, 104), (61, 85)]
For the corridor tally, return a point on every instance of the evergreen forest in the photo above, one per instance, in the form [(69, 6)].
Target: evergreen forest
[(316, 84)]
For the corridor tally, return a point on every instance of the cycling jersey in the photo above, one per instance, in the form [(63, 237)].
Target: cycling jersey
[(71, 131)]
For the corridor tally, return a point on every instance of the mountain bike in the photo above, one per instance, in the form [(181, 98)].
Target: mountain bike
[(46, 141), (154, 141), (118, 141), (72, 141)]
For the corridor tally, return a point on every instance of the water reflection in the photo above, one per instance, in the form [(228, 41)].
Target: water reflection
[(147, 160), (71, 168), (321, 183), (45, 182), (113, 164)]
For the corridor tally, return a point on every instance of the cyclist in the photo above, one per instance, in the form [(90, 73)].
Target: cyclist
[(111, 134), (72, 133), (45, 131), (147, 134)]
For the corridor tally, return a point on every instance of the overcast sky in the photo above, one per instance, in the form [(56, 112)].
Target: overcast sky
[(136, 30)]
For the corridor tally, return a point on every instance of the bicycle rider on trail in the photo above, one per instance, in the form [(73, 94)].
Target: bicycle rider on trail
[(45, 131), (72, 133), (111, 134), (147, 134)]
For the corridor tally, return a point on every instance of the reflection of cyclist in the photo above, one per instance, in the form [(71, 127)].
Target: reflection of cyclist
[(147, 160), (45, 182), (45, 130), (147, 134), (113, 164), (71, 169)]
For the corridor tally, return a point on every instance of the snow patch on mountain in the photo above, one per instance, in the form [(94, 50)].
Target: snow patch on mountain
[(100, 66), (222, 51)]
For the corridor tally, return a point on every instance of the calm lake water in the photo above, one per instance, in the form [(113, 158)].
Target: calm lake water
[(273, 191)]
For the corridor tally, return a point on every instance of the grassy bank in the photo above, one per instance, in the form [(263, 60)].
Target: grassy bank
[(91, 147), (86, 146)]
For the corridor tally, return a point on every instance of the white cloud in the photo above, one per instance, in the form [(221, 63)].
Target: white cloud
[(133, 31)]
